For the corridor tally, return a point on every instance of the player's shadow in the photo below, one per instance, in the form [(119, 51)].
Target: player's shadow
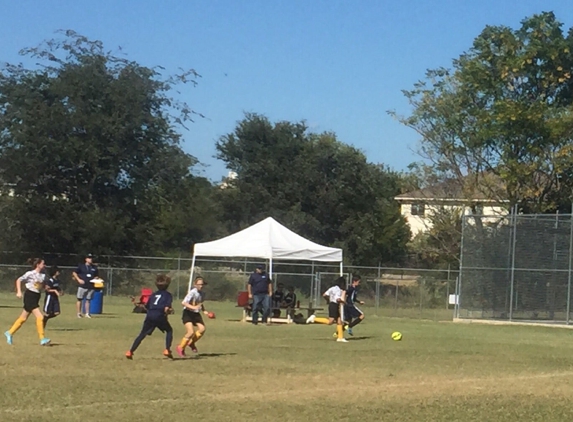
[(358, 338), (10, 306), (214, 355), (67, 329), (201, 356)]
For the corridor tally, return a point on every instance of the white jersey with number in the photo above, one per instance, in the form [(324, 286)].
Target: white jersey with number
[(34, 281), (334, 294), (194, 297)]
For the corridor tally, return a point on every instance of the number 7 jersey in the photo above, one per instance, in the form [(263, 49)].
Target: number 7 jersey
[(157, 303)]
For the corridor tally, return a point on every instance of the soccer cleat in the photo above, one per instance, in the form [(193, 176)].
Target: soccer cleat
[(80, 316), (44, 342), (8, 338), (311, 319), (129, 354), (341, 340), (349, 331), (167, 353), (193, 347), (88, 316), (181, 351)]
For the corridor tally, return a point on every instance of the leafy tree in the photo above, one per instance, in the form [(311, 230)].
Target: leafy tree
[(89, 146), (499, 122), (316, 185)]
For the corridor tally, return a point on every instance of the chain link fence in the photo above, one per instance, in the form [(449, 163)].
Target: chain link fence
[(516, 268), (393, 292)]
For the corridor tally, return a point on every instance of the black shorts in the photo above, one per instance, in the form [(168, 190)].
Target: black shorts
[(192, 317), (352, 312), (150, 324), (51, 305), (31, 300), (334, 310)]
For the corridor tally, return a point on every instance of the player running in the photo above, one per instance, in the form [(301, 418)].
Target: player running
[(34, 281), (353, 314), (336, 297), (158, 307), (193, 307), (53, 293)]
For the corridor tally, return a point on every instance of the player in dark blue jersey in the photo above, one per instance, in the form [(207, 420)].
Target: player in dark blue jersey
[(158, 307), (353, 314), (53, 293)]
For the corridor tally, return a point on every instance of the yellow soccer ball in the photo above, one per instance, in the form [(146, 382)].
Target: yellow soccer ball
[(396, 336)]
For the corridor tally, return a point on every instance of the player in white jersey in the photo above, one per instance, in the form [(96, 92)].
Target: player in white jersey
[(34, 282), (192, 310), (335, 296)]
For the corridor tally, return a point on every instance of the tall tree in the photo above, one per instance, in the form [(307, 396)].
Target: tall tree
[(89, 147), (316, 185), (500, 120)]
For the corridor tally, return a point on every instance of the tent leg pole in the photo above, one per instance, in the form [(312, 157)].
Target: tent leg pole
[(191, 274)]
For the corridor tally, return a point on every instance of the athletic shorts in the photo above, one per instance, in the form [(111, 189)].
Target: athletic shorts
[(150, 324), (192, 317), (84, 293), (334, 310), (31, 300), (353, 312), (51, 305)]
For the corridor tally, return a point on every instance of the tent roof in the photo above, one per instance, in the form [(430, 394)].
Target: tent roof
[(269, 240)]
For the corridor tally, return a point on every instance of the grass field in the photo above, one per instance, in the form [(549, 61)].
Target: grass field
[(440, 372)]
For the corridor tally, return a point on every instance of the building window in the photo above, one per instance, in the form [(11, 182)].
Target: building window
[(418, 209)]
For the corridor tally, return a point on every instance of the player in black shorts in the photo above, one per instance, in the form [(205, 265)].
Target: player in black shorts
[(53, 293), (193, 311), (354, 315), (158, 307)]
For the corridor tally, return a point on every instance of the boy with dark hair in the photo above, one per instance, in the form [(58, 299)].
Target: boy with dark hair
[(53, 293), (354, 315), (158, 307)]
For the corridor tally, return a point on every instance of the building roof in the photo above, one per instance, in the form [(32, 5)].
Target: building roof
[(453, 190)]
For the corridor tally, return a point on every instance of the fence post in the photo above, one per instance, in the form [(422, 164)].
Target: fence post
[(512, 277), (378, 290), (178, 274), (570, 264)]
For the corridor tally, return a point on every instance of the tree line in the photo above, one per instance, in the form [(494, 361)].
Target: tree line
[(91, 157)]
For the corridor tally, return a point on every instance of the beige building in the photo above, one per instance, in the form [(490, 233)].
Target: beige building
[(418, 206)]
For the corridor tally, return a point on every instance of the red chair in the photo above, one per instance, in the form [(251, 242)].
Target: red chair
[(145, 295)]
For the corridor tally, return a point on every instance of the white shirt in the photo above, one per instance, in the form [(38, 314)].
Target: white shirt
[(334, 294), (34, 280), (194, 297)]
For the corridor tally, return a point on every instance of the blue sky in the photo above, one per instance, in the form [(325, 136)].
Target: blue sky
[(338, 64)]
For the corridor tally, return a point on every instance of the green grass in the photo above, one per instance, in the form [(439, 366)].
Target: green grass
[(440, 371)]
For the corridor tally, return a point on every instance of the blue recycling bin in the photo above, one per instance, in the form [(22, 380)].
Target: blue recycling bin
[(96, 304)]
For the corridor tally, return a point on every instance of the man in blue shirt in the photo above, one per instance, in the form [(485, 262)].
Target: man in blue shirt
[(85, 275), (158, 307), (260, 289)]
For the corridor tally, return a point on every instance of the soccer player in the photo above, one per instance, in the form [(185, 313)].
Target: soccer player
[(53, 293), (158, 307), (34, 281), (335, 296), (353, 314), (192, 309)]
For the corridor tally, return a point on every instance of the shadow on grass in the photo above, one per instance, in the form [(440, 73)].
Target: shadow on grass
[(66, 329), (10, 306), (358, 338), (214, 355)]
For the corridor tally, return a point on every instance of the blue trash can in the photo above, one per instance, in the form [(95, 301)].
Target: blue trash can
[(96, 304)]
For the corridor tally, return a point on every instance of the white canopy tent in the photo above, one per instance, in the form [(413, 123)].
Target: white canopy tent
[(268, 240)]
